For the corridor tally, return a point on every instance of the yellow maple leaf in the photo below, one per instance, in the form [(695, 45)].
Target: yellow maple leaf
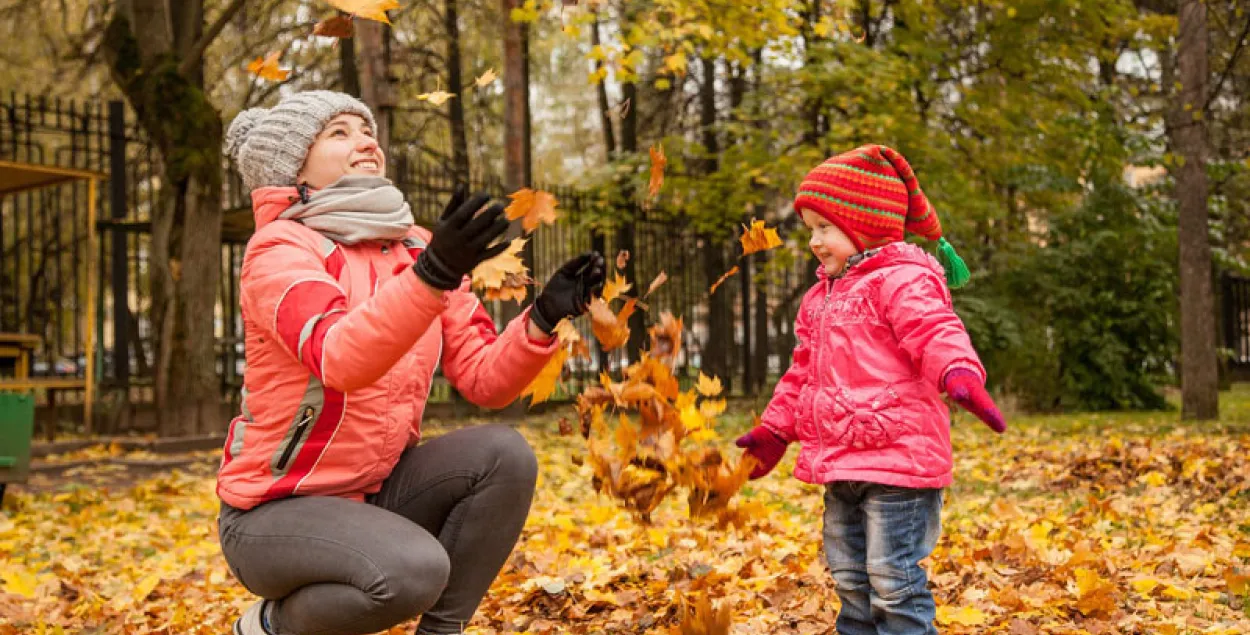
[(757, 237), (367, 9), (486, 79), (515, 286), (709, 386), (493, 273), (966, 615), (145, 587), (544, 385), (615, 287), (532, 207), (438, 97), (21, 582), (712, 408), (267, 68), (658, 163), (566, 332)]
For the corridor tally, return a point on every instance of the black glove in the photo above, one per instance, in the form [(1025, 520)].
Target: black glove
[(461, 240), (569, 291)]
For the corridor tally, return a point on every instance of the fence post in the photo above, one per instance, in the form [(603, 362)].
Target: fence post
[(748, 383), (120, 268)]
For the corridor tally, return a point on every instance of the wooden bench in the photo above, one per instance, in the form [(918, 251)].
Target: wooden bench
[(20, 347)]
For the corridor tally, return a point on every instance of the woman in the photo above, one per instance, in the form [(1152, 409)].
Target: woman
[(331, 511)]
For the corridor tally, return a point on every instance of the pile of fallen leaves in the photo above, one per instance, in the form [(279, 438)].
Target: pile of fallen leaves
[(1061, 526)]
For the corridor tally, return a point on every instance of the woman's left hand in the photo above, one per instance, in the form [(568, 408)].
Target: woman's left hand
[(569, 291)]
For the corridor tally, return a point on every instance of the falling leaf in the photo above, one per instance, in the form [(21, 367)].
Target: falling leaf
[(267, 68), (615, 287), (532, 207), (612, 330), (565, 426), (438, 97), (566, 332), (758, 238), (544, 385), (494, 273), (655, 284), (658, 163), (666, 337), (486, 78), (339, 26), (709, 386), (620, 110), (722, 279), (622, 259), (367, 9)]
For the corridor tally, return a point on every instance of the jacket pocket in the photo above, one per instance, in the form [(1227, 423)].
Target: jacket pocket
[(861, 424)]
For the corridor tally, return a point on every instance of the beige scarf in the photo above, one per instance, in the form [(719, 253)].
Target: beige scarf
[(354, 209)]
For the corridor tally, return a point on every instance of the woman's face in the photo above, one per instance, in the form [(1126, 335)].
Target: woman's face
[(831, 246), (345, 146)]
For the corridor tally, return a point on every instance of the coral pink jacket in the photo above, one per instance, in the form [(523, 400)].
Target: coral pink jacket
[(342, 342), (863, 395)]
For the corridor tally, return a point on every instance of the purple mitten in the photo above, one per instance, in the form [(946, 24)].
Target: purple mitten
[(765, 447), (965, 387)]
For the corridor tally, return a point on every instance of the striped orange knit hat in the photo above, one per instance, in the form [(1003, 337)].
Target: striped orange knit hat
[(872, 195)]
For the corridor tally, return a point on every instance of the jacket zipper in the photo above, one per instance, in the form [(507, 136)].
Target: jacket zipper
[(299, 432)]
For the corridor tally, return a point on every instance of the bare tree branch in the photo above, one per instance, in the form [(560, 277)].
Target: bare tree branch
[(1228, 68), (197, 51)]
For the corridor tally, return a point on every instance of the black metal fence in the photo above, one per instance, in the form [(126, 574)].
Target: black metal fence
[(1236, 320), (43, 254)]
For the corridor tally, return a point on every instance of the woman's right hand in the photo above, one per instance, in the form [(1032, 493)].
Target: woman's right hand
[(461, 240)]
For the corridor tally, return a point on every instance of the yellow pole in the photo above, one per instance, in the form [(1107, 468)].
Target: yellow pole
[(91, 303)]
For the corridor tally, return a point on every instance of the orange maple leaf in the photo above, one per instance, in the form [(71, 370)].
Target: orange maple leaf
[(367, 9), (658, 163), (340, 26), (615, 287), (533, 207), (703, 618), (758, 238), (666, 337), (267, 67), (612, 330), (622, 259), (722, 279), (655, 284)]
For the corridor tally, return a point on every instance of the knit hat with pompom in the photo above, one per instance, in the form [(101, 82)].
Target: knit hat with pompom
[(268, 145)]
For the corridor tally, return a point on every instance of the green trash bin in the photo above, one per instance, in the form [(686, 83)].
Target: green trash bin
[(17, 424)]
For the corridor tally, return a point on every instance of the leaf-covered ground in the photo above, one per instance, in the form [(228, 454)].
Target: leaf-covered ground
[(1125, 523)]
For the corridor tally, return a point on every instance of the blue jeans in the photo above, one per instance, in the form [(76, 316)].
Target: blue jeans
[(875, 536)]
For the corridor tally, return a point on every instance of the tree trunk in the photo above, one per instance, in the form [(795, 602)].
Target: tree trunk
[(455, 82), (153, 56), (605, 115), (349, 74), (720, 328), (626, 232), (376, 89), (1199, 367)]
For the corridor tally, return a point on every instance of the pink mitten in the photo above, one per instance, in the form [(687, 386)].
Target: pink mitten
[(965, 387), (765, 446)]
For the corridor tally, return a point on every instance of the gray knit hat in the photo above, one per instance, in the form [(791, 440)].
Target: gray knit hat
[(269, 145)]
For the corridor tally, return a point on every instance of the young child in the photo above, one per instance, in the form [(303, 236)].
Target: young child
[(878, 343)]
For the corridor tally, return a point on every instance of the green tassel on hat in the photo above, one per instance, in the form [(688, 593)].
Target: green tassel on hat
[(957, 274)]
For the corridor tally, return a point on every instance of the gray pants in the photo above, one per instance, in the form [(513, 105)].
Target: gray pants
[(429, 543)]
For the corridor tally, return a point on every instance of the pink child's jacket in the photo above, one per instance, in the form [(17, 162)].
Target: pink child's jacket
[(863, 395), (342, 342)]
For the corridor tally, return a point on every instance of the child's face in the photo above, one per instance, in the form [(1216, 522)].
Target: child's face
[(831, 245), (345, 146)]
